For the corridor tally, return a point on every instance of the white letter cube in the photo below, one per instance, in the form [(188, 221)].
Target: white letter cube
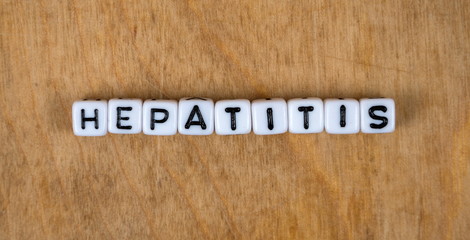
[(160, 117), (269, 116), (377, 115), (305, 115), (342, 116), (125, 116), (233, 117), (196, 116), (90, 117)]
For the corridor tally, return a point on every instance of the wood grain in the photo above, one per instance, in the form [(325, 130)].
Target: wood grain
[(412, 184)]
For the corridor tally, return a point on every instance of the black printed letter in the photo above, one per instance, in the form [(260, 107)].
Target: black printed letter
[(94, 119), (199, 116), (306, 110), (233, 119), (119, 118), (152, 117), (342, 116), (375, 117), (269, 112)]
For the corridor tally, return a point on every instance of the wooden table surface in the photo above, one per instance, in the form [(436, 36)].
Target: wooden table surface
[(410, 184)]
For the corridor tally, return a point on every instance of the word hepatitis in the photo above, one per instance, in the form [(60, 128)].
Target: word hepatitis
[(200, 116)]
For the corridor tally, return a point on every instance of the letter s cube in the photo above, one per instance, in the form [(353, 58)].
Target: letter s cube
[(377, 115)]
